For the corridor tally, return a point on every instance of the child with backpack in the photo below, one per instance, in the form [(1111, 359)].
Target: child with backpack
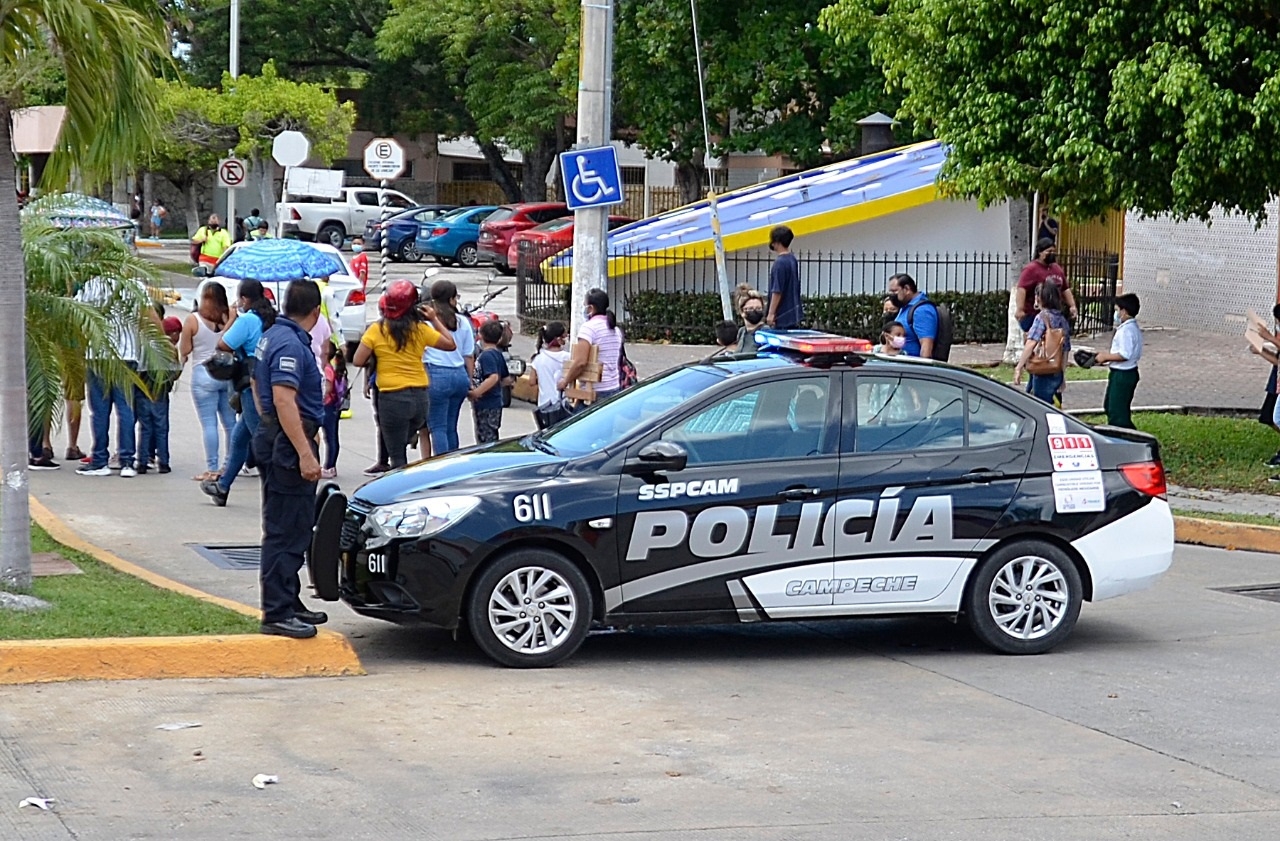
[(1048, 342), (545, 369), (335, 392)]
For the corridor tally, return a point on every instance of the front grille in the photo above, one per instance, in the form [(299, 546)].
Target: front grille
[(350, 538)]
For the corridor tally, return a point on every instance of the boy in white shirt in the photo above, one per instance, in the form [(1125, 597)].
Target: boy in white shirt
[(1126, 350)]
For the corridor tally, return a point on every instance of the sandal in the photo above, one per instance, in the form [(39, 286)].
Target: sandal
[(74, 454)]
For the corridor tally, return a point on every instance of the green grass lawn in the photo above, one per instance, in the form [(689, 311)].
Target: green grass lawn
[(1004, 373), (1212, 453), (103, 602), (1249, 519)]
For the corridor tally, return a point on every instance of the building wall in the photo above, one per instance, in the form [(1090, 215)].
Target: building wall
[(1198, 276)]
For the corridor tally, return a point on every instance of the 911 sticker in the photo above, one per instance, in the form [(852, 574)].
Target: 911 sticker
[(1073, 452)]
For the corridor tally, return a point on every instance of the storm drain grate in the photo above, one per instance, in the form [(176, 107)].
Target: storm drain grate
[(1266, 592), (230, 557)]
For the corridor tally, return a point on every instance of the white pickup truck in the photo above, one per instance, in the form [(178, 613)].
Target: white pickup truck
[(331, 221)]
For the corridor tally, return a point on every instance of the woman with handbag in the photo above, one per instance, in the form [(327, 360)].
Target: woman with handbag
[(449, 371), (1044, 356), (241, 339), (600, 331), (212, 397)]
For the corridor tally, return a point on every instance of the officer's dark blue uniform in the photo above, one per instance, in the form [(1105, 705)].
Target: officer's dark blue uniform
[(288, 500)]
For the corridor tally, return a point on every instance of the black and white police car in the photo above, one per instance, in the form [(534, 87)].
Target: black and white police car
[(808, 480)]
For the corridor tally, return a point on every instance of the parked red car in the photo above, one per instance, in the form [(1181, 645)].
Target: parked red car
[(551, 237), (509, 219)]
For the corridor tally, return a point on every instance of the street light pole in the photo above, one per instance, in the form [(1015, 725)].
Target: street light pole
[(595, 95), (233, 65)]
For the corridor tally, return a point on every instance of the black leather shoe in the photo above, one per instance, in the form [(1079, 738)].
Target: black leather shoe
[(311, 617), (289, 628)]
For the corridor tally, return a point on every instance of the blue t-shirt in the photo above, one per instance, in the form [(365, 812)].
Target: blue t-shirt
[(923, 325), (285, 358), (491, 362), (243, 334), (784, 280)]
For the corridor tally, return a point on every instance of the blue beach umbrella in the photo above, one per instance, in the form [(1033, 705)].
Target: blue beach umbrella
[(74, 210), (278, 260)]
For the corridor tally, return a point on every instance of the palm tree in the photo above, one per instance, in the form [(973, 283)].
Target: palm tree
[(108, 50)]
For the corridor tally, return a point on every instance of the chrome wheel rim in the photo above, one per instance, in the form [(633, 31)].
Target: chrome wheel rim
[(1028, 598), (468, 256), (410, 252), (532, 610)]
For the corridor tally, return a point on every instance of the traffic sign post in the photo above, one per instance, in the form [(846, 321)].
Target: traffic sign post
[(384, 159), (231, 176), (289, 149), (592, 178)]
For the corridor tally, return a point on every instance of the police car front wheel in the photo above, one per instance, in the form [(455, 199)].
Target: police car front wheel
[(529, 609), (1025, 597)]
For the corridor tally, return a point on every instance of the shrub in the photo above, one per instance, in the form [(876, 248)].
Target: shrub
[(690, 318)]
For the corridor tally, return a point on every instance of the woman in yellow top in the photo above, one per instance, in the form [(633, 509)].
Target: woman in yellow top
[(395, 345)]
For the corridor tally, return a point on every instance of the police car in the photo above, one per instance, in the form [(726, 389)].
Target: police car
[(809, 480)]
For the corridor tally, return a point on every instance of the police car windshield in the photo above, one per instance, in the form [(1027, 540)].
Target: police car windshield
[(612, 420)]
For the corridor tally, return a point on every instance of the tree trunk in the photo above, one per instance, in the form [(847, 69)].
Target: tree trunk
[(501, 172), (537, 164), (264, 173), (148, 198), (15, 516), (1019, 254), (692, 181), (193, 207)]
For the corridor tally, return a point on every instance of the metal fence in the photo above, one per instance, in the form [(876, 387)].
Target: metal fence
[(662, 298)]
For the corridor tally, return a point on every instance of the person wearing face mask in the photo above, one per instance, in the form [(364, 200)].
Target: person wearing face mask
[(892, 340), (213, 241), (1126, 350), (1043, 269), (257, 315), (360, 262), (751, 306), (600, 331)]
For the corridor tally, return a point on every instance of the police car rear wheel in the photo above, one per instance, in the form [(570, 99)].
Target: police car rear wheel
[(1025, 598), (530, 609)]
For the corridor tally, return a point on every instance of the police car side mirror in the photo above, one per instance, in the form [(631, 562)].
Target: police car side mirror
[(658, 457)]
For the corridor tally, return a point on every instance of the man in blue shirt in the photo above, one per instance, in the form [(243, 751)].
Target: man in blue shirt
[(920, 322), (290, 399), (785, 310)]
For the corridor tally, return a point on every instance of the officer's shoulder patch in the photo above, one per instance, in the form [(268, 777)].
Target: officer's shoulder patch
[(287, 363)]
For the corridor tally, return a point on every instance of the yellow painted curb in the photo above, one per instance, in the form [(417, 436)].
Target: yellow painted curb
[(138, 658), (235, 655), (1225, 535)]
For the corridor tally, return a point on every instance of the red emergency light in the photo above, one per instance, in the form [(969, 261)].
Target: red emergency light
[(810, 342)]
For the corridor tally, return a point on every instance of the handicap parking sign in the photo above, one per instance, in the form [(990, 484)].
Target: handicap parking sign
[(592, 177)]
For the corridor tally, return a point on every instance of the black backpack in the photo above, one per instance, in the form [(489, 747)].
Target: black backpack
[(946, 329)]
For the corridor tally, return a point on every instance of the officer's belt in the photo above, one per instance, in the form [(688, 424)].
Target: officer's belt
[(271, 425)]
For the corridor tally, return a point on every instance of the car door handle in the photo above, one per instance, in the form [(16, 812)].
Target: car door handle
[(982, 476), (799, 493)]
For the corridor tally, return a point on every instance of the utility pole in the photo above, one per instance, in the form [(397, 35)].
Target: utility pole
[(595, 106), (722, 271), (233, 65)]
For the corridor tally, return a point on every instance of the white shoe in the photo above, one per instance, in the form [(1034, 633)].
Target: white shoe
[(94, 471), (248, 471), (127, 472)]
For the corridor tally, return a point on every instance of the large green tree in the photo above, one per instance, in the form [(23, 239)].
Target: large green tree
[(504, 62), (1164, 107), (775, 82), (108, 51)]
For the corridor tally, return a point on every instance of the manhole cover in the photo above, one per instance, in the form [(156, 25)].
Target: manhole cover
[(230, 557), (1266, 592)]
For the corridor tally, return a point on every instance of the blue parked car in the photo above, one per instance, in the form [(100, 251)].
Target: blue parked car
[(402, 230), (452, 238)]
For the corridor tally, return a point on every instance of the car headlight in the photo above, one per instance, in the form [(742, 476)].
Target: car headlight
[(421, 517)]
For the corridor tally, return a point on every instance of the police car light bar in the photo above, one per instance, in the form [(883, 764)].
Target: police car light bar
[(810, 342)]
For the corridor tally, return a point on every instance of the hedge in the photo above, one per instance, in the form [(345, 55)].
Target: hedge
[(690, 318)]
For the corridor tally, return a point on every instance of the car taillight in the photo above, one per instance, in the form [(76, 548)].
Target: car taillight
[(294, 215), (355, 298), (1146, 477), (439, 232)]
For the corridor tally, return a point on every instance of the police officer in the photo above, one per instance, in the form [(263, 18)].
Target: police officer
[(286, 385)]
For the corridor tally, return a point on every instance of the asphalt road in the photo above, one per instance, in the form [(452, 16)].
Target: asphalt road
[(1156, 720)]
